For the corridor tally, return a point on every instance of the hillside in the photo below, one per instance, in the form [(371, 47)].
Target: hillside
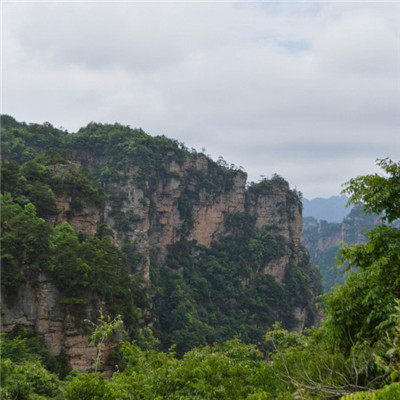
[(111, 217)]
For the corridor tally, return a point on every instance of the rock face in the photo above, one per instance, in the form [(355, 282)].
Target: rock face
[(190, 198), (163, 217), (38, 309), (277, 207), (85, 220)]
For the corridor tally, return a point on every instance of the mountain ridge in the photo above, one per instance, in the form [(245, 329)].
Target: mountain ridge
[(331, 209)]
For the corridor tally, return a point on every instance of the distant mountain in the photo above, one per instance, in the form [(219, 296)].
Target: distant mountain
[(323, 240), (331, 210)]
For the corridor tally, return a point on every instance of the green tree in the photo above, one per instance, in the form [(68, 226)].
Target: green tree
[(356, 350), (378, 193), (67, 263), (362, 308), (104, 329), (24, 243)]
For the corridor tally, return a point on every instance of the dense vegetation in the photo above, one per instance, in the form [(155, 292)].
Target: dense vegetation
[(355, 354), (87, 270), (220, 291)]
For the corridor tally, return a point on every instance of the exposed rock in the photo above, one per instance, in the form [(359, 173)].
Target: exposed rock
[(301, 315), (277, 208), (277, 268), (158, 220), (209, 215), (151, 215), (38, 309), (85, 220)]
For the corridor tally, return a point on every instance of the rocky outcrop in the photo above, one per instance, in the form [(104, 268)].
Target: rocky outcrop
[(191, 198), (178, 206), (277, 268), (278, 207), (85, 220), (38, 308)]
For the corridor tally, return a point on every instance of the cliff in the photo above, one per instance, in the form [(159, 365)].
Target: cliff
[(163, 212), (37, 308), (217, 258)]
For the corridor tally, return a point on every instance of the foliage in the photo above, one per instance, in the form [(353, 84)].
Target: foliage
[(356, 350), (390, 392), (28, 381), (378, 194), (20, 346), (267, 186), (230, 275), (91, 386), (46, 177), (362, 309), (308, 365), (24, 242), (22, 142), (84, 268), (230, 371), (103, 330)]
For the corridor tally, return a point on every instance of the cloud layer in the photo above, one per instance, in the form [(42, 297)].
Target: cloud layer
[(309, 91)]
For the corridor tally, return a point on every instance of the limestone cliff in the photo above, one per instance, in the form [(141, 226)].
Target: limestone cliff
[(178, 206), (190, 226), (37, 308)]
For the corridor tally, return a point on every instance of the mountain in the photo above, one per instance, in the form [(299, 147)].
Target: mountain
[(112, 218), (332, 209), (323, 240)]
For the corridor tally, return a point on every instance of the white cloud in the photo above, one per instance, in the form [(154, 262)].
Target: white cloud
[(310, 91)]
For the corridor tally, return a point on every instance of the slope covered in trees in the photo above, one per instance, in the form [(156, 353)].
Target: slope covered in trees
[(354, 355)]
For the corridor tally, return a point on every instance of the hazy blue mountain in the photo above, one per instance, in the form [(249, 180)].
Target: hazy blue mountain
[(323, 240), (331, 210)]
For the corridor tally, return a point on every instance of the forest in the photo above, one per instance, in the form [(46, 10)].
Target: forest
[(193, 349)]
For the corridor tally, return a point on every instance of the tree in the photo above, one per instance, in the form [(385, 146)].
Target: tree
[(362, 308), (378, 193), (103, 331), (357, 347)]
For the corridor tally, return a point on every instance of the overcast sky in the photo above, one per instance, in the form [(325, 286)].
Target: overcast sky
[(308, 90)]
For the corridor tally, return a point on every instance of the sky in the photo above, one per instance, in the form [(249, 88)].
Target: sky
[(307, 90)]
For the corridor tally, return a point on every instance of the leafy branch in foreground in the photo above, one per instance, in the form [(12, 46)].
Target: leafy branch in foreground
[(104, 329), (357, 347), (378, 193)]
